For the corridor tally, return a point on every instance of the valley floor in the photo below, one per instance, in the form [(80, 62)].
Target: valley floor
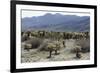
[(41, 56)]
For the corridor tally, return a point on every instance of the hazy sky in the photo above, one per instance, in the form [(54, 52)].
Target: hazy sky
[(27, 13)]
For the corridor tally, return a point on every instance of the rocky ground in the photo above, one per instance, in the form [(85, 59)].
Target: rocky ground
[(34, 55)]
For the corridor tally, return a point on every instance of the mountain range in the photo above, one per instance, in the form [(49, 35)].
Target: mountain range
[(56, 22)]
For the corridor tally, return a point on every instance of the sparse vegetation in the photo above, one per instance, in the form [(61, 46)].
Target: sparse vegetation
[(65, 45)]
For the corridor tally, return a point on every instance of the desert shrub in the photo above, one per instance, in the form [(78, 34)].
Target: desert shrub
[(76, 49), (85, 44), (43, 45), (24, 38), (27, 46), (35, 42)]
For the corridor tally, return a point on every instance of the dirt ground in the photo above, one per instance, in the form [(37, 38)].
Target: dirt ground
[(34, 55)]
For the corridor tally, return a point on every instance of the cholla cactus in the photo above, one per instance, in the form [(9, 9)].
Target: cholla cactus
[(24, 37), (27, 46), (78, 50), (53, 46)]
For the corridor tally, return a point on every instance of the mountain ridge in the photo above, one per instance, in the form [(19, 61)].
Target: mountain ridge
[(56, 22)]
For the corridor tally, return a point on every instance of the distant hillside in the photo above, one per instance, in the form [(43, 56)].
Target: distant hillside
[(56, 22)]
